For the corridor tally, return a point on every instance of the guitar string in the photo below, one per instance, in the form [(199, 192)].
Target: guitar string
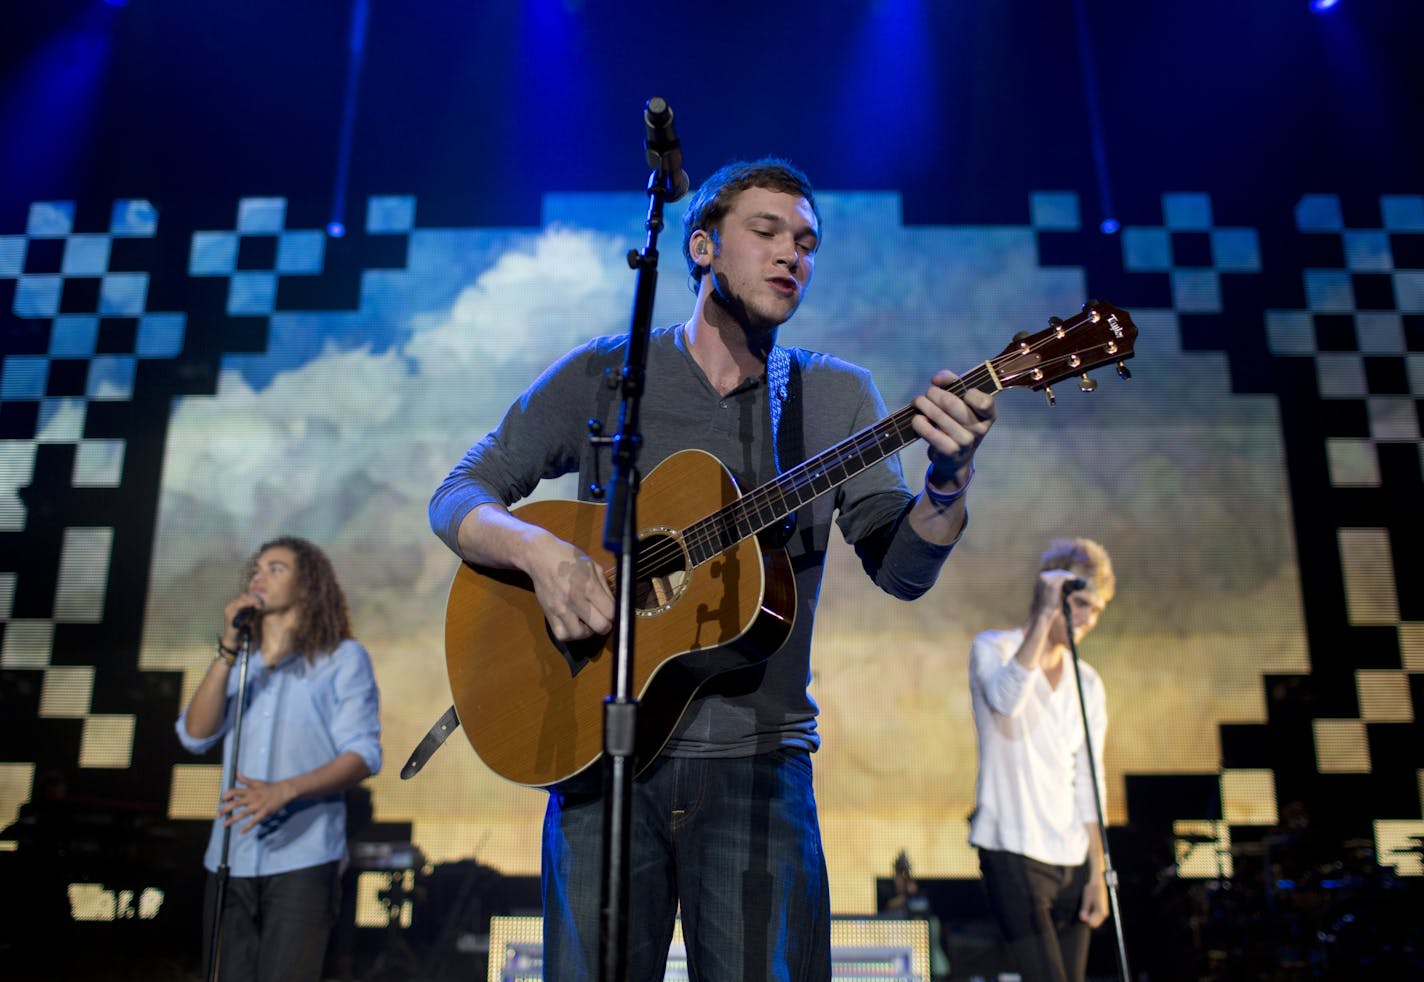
[(741, 518), (746, 515), (897, 426), (734, 521)]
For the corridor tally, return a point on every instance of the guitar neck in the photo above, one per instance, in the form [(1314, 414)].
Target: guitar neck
[(1099, 334), (828, 470)]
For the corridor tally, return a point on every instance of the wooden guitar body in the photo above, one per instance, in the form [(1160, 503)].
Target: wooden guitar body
[(533, 707)]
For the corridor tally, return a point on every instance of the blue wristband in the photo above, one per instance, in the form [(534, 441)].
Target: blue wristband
[(939, 498)]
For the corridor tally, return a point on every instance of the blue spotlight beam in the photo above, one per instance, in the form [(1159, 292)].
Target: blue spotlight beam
[(360, 18), (1109, 222)]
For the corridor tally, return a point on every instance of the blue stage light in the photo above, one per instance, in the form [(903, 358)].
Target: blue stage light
[(360, 18), (1320, 6), (1109, 226)]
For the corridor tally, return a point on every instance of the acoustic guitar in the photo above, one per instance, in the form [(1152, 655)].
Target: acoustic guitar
[(710, 595)]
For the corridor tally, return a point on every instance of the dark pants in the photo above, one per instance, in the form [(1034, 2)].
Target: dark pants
[(1036, 906), (734, 841), (274, 928)]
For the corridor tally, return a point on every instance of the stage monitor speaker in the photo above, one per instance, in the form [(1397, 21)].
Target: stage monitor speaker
[(861, 947)]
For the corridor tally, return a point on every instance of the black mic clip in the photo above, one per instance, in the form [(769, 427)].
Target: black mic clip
[(1074, 585), (243, 619), (664, 150)]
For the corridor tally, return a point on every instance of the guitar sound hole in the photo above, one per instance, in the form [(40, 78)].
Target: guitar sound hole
[(660, 573)]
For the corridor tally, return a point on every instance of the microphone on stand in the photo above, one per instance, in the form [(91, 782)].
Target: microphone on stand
[(243, 619), (664, 148), (1074, 585)]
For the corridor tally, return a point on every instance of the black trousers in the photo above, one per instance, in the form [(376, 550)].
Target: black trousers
[(274, 928), (1036, 906)]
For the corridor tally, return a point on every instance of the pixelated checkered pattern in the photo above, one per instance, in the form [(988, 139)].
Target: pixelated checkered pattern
[(1189, 247), (1353, 329), (73, 337), (1378, 370), (260, 221), (1365, 364), (77, 292), (1192, 250), (84, 561), (101, 326)]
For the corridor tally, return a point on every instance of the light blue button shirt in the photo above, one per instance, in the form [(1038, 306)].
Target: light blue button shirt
[(300, 715)]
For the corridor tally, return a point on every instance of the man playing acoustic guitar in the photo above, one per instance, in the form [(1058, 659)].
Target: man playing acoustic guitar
[(724, 818)]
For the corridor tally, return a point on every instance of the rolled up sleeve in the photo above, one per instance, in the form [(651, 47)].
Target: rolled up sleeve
[(356, 722), (200, 746)]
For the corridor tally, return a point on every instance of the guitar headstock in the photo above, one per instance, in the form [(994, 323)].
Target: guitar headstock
[(1099, 334)]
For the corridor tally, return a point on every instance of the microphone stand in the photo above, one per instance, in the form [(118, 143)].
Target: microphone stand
[(229, 782), (1109, 873), (620, 537)]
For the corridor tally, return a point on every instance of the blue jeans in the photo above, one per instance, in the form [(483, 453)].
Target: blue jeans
[(735, 842)]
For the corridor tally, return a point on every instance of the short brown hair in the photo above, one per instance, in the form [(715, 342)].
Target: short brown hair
[(714, 198), (1085, 558)]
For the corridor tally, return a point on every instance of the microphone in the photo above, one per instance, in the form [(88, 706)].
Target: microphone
[(243, 619), (1075, 584), (664, 148)]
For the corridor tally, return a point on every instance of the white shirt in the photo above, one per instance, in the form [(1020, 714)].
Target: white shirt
[(1034, 790)]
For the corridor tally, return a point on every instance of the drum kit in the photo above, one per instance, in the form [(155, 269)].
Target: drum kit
[(1294, 907)]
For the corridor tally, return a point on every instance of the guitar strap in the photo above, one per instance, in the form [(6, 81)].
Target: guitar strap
[(430, 743), (778, 398), (788, 441)]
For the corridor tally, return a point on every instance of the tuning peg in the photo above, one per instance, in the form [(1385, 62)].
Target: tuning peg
[(1052, 399), (1021, 336), (1122, 371), (1086, 383)]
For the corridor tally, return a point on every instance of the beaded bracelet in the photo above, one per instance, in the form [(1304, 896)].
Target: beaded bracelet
[(941, 499)]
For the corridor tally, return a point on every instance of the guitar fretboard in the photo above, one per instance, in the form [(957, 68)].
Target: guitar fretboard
[(773, 501)]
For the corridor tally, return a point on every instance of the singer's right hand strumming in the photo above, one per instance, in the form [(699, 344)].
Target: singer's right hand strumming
[(571, 588)]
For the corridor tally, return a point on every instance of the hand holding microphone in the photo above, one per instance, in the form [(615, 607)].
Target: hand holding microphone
[(240, 615), (1054, 586)]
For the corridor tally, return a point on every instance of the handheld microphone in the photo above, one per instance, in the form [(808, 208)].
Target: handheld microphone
[(664, 148), (1074, 585), (243, 619)]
